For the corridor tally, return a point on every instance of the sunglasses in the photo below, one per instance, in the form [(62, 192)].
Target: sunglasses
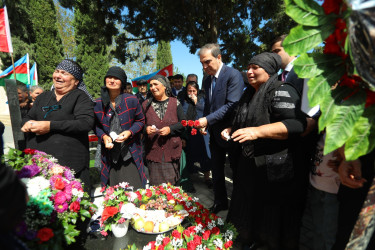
[(51, 108)]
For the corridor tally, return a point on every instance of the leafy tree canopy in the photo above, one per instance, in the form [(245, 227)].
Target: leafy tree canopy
[(243, 28)]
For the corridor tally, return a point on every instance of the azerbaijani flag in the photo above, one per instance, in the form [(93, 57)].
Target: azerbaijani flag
[(5, 40), (167, 71), (22, 71), (33, 75)]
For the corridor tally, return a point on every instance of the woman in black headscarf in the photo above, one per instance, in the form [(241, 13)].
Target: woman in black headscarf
[(265, 125), (60, 119), (163, 146)]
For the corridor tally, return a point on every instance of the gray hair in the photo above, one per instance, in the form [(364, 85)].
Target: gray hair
[(213, 47), (35, 87)]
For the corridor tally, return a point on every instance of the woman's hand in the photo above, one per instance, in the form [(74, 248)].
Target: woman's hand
[(165, 131), (107, 140), (37, 127), (193, 98), (150, 130), (225, 133), (245, 134), (27, 126), (123, 136)]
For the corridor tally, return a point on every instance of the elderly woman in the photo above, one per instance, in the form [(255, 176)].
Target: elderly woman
[(59, 121), (119, 123), (163, 145), (267, 195)]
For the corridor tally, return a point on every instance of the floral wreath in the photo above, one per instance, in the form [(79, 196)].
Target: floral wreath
[(337, 81)]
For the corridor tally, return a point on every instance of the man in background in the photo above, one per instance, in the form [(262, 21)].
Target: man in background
[(178, 81), (143, 93)]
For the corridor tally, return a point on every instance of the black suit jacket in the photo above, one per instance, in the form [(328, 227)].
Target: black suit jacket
[(228, 90), (295, 80)]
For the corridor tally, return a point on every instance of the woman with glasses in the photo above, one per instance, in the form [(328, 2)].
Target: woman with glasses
[(60, 119)]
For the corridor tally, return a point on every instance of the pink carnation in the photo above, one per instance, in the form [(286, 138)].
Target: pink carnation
[(60, 198), (110, 190)]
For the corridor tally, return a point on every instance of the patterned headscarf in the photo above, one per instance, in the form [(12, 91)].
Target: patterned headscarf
[(74, 69)]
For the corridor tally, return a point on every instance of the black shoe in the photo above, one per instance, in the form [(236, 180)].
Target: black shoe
[(218, 207), (209, 183)]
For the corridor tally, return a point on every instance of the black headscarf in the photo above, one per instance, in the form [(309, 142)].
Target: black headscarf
[(252, 109), (116, 72)]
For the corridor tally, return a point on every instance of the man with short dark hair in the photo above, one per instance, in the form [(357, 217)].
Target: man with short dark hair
[(223, 87), (143, 93), (23, 99), (192, 78), (128, 88), (178, 81)]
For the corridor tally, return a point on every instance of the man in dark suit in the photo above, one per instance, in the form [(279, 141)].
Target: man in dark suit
[(223, 86), (288, 74)]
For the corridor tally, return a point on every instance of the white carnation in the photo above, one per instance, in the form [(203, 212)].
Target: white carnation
[(37, 184)]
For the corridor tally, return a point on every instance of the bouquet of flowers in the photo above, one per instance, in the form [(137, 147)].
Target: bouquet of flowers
[(117, 206), (56, 200), (208, 231)]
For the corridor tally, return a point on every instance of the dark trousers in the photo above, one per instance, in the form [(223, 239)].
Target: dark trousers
[(218, 154)]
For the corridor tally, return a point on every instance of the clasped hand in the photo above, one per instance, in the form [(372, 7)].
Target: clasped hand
[(108, 142), (163, 131), (37, 127)]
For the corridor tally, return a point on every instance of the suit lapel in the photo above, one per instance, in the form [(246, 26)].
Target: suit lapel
[(219, 82)]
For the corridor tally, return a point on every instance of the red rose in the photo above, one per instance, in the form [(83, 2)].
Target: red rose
[(184, 123), (166, 240), (215, 230), (196, 123), (176, 234), (176, 190), (109, 212), (197, 240), (193, 131), (75, 207), (191, 123), (331, 45), (332, 6), (157, 192), (198, 220), (44, 234), (206, 235), (228, 244), (29, 151), (59, 184)]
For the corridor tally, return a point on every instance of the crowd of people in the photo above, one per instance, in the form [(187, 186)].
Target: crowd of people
[(286, 193)]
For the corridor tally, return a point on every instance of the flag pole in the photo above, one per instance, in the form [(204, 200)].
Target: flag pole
[(14, 69)]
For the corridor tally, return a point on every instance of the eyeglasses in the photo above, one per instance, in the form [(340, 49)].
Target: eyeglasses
[(51, 108)]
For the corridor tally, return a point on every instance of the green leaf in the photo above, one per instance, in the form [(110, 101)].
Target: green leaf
[(308, 65), (328, 105), (311, 6), (320, 86), (304, 38), (346, 115), (362, 140), (307, 13), (85, 213)]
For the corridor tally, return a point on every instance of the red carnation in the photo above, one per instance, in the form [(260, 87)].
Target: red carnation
[(196, 123), (228, 244), (191, 123), (75, 207), (44, 234), (215, 230), (109, 212), (59, 184), (206, 235), (166, 240), (193, 131), (186, 232), (148, 193), (191, 245), (176, 234), (197, 240), (184, 123)]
